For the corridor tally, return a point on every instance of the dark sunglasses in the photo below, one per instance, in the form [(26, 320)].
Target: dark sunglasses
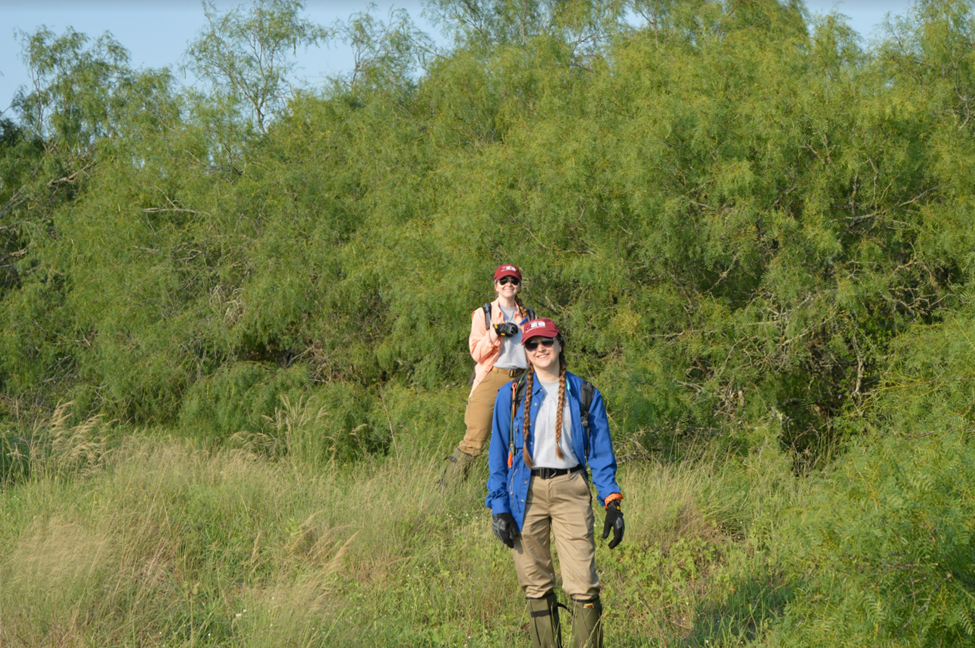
[(512, 280), (533, 343)]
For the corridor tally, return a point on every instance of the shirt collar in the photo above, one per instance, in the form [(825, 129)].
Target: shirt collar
[(497, 315)]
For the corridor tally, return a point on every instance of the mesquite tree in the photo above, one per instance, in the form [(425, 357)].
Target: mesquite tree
[(248, 55)]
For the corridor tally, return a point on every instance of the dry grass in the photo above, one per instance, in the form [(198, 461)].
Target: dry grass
[(160, 543), (53, 448)]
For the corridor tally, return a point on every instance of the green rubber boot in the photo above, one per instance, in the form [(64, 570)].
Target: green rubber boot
[(587, 629), (544, 625), (457, 465)]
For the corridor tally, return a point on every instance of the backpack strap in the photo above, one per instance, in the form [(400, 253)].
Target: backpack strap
[(517, 393), (531, 313), (585, 401)]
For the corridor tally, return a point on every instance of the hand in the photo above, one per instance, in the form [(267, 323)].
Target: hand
[(508, 329), (505, 528), (614, 521)]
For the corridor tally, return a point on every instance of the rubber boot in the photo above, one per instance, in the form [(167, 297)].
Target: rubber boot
[(544, 624), (457, 465), (587, 628)]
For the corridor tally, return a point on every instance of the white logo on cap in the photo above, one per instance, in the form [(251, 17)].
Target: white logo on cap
[(511, 268), (537, 324)]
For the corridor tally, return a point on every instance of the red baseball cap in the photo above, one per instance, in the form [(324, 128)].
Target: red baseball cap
[(507, 270), (541, 327)]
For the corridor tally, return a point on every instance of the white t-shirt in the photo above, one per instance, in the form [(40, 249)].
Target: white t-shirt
[(544, 452), (512, 353)]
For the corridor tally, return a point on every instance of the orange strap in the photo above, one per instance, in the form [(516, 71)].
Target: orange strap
[(612, 498)]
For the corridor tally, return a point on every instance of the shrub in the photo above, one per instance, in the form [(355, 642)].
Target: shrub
[(240, 398), (883, 553)]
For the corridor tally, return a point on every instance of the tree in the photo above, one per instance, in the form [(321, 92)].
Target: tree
[(385, 53), (247, 56), (71, 101), (492, 22)]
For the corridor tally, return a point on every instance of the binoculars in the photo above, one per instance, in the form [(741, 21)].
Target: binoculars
[(508, 329)]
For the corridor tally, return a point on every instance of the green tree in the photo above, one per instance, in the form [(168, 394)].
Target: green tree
[(71, 101), (487, 23), (733, 215), (248, 55), (385, 53)]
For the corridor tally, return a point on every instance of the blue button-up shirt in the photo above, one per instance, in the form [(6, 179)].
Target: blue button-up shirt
[(508, 487)]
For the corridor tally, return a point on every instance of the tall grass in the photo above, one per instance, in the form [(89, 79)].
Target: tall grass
[(53, 448), (162, 543)]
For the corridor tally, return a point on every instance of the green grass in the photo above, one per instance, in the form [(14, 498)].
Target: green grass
[(155, 541)]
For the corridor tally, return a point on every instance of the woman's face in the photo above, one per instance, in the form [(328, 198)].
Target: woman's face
[(545, 358), (509, 289)]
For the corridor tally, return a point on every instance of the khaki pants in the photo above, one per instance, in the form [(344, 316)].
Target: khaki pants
[(480, 410), (561, 506)]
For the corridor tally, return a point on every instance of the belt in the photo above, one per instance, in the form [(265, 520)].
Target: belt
[(548, 473), (511, 372)]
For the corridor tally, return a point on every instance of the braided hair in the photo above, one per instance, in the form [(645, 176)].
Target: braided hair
[(522, 312), (526, 429)]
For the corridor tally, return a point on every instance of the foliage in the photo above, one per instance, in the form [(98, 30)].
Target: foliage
[(244, 56), (52, 449), (490, 23), (882, 549), (886, 548), (386, 54), (16, 148), (239, 398), (731, 218), (71, 103), (754, 230)]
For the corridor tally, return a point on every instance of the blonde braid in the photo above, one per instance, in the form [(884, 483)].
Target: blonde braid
[(558, 416), (528, 400)]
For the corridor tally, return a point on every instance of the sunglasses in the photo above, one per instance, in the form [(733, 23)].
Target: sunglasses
[(512, 280), (533, 343)]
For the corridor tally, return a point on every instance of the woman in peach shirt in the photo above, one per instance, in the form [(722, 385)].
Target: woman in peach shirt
[(495, 345)]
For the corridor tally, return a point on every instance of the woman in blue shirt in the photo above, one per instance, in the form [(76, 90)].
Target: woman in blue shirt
[(544, 435)]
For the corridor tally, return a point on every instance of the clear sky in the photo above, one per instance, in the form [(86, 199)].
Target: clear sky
[(156, 32)]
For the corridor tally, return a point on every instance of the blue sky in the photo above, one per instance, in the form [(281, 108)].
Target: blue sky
[(156, 32)]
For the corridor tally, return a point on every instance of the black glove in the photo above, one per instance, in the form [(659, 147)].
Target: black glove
[(508, 329), (614, 521), (505, 528)]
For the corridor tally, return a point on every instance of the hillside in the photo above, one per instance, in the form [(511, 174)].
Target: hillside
[(755, 231)]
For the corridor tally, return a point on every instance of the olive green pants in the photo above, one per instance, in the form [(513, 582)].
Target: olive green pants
[(480, 410)]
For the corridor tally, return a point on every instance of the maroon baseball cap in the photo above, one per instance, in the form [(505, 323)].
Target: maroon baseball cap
[(507, 270), (541, 327)]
